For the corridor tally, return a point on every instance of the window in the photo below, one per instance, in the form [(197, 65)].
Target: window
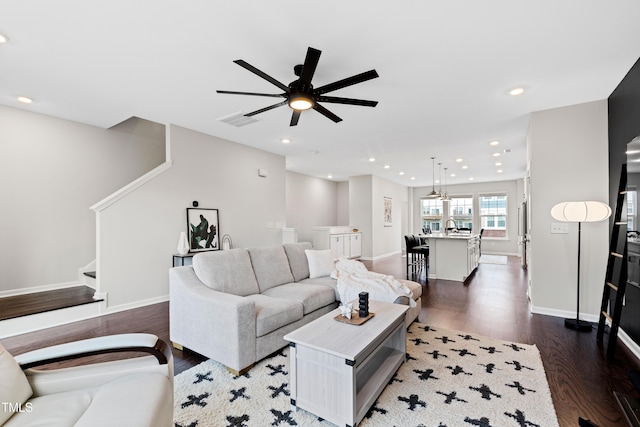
[(631, 213), (461, 211), (493, 215), (431, 210)]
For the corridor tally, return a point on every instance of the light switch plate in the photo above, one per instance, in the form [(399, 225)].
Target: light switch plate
[(559, 228)]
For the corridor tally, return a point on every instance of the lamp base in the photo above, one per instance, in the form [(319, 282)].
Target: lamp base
[(578, 325)]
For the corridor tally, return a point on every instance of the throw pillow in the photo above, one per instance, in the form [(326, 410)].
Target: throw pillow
[(321, 263), (14, 387)]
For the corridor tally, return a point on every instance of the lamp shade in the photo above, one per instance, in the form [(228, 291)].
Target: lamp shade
[(588, 211)]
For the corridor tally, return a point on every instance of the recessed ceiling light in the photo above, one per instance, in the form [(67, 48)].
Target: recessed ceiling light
[(329, 176), (494, 143), (496, 154), (498, 163), (459, 160), (372, 159), (452, 175), (25, 99), (465, 167), (401, 173), (3, 38), (413, 178), (387, 166), (516, 91), (470, 178), (499, 171), (285, 140)]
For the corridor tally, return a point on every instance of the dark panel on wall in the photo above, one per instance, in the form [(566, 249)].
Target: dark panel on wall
[(624, 125)]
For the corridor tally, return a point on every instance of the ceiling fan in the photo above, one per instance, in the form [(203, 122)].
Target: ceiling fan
[(300, 94)]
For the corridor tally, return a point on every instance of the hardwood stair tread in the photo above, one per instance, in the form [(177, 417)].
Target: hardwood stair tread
[(41, 302)]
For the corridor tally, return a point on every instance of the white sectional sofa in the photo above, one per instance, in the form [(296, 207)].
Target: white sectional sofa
[(236, 306)]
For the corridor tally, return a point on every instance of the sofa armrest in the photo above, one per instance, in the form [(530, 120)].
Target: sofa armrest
[(215, 324), (91, 373), (146, 343)]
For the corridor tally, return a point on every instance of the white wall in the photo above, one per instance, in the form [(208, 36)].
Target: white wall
[(51, 172), (139, 233), (568, 158), (387, 240), (366, 212), (513, 188), (311, 202), (360, 207), (343, 203)]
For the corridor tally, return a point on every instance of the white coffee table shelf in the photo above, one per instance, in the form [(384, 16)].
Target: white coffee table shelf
[(338, 370)]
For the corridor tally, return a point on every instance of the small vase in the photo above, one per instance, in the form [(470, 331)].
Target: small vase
[(183, 244)]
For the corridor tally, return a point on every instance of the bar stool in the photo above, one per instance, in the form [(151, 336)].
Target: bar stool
[(417, 258)]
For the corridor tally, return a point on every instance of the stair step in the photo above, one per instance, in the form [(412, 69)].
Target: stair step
[(40, 302), (91, 274)]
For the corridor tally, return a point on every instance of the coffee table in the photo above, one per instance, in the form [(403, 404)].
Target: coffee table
[(338, 370)]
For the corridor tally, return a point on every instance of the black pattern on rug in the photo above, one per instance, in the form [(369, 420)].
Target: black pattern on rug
[(449, 379)]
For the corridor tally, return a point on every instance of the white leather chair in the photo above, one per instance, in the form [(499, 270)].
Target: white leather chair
[(135, 391)]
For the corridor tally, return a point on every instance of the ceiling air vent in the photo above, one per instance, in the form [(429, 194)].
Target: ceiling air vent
[(238, 119)]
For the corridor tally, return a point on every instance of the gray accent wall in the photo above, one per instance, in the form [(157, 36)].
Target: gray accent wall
[(311, 202), (51, 171)]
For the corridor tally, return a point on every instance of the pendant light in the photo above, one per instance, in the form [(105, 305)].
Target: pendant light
[(440, 194), (433, 193), (446, 192)]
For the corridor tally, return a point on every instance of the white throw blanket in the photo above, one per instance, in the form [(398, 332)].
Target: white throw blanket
[(353, 278)]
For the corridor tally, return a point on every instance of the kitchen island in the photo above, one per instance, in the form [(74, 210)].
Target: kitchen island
[(452, 256)]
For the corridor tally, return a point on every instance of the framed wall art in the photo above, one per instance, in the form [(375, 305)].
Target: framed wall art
[(388, 217), (203, 229)]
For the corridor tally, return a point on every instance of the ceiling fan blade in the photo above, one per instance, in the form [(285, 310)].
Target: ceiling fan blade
[(320, 109), (350, 101), (262, 74), (359, 78), (309, 67), (231, 92), (271, 107), (295, 117)]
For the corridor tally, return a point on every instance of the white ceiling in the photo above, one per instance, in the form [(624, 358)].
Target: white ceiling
[(445, 71)]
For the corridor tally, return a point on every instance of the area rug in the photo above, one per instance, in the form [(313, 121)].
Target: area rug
[(493, 259), (450, 379)]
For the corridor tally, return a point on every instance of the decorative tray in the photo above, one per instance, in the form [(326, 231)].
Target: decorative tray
[(355, 318)]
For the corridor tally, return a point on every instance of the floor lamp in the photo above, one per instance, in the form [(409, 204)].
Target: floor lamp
[(580, 212)]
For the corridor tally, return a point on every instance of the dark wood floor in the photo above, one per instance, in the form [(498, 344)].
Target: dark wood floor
[(492, 303)]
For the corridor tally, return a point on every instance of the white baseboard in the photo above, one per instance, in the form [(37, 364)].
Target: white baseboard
[(378, 257), (136, 304)]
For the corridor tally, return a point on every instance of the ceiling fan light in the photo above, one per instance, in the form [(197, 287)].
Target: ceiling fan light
[(301, 102)]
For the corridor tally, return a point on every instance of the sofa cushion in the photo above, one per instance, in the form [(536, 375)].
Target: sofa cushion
[(274, 313), (298, 259), (324, 281), (14, 386), (271, 266), (226, 271), (416, 288), (321, 263), (312, 297), (103, 406)]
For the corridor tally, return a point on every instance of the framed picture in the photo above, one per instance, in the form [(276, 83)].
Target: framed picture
[(203, 231), (388, 217)]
